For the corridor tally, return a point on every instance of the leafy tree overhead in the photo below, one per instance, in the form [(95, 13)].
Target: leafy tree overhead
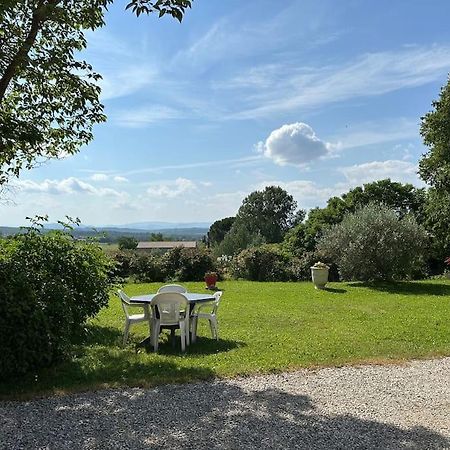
[(434, 168), (49, 100), (219, 229), (270, 213)]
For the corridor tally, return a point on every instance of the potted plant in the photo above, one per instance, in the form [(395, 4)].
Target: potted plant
[(319, 273), (211, 280)]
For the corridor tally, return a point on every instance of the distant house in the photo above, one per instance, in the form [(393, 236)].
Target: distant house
[(164, 245)]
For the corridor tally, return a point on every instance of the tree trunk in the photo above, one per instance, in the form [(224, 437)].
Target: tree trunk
[(21, 57)]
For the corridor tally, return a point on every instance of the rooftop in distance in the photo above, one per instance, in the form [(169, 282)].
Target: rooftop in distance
[(166, 244)]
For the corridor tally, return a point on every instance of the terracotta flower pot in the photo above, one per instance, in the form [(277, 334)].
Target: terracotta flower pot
[(211, 280)]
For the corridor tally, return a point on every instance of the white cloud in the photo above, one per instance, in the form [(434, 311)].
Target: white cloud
[(397, 170), (307, 193), (99, 177), (65, 186), (119, 179), (370, 74), (140, 117), (294, 144), (171, 189), (376, 132)]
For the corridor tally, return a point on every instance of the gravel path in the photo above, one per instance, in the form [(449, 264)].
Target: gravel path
[(368, 407)]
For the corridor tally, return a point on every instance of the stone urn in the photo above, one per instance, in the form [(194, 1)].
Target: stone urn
[(319, 274)]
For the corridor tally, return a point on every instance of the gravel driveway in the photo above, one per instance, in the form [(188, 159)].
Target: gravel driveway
[(366, 407)]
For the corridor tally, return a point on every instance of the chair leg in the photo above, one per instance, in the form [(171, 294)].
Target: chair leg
[(155, 335), (183, 336), (214, 328), (187, 332), (126, 332), (194, 324)]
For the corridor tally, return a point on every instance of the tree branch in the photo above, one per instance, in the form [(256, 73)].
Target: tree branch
[(19, 60)]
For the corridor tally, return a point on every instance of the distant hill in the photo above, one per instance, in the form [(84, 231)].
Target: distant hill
[(141, 231), (152, 226)]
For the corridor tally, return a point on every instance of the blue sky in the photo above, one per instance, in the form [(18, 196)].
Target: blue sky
[(317, 97)]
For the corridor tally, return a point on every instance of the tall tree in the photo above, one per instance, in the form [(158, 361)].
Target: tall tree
[(219, 229), (49, 100), (434, 168), (270, 213)]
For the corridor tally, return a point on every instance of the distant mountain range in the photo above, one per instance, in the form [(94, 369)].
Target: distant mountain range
[(150, 226), (140, 230), (139, 226)]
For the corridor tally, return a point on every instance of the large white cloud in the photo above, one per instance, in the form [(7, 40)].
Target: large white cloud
[(294, 144)]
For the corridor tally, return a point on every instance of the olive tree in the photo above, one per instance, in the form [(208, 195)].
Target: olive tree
[(374, 243)]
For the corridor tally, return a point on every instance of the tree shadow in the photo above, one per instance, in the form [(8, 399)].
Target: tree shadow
[(202, 346), (201, 415), (406, 287), (100, 335)]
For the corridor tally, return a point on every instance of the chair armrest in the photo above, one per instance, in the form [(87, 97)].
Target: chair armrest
[(200, 306)]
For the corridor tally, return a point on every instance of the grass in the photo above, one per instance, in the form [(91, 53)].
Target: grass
[(264, 327)]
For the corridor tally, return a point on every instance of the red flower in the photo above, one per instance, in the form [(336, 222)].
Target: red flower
[(447, 261)]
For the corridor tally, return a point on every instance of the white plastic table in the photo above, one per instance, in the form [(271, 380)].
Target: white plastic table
[(192, 298)]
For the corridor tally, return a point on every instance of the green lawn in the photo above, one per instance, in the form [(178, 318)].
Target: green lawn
[(264, 327)]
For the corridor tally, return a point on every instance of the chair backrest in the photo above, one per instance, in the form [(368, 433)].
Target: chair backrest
[(172, 288), (168, 307), (217, 296), (125, 300)]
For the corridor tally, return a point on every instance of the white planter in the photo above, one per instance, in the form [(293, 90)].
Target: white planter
[(319, 277)]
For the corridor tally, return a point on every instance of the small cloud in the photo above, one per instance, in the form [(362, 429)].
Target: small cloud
[(172, 189), (294, 144), (119, 179), (99, 177), (397, 170), (206, 183)]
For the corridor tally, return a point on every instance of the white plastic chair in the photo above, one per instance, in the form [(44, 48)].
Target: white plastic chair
[(211, 316), (131, 319), (170, 309), (172, 288)]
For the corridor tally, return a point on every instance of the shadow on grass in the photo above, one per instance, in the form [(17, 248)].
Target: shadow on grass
[(203, 346), (335, 290), (101, 361), (210, 415), (103, 367), (406, 287)]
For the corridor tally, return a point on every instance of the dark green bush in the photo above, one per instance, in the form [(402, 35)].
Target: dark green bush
[(147, 268), (187, 264), (264, 263), (49, 286)]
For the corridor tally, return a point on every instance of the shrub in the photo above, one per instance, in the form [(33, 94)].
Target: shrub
[(147, 268), (127, 243), (374, 244), (123, 263), (187, 264), (264, 263), (49, 286)]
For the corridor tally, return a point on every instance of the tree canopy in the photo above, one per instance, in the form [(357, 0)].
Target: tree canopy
[(49, 100), (219, 229), (434, 168), (270, 213)]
